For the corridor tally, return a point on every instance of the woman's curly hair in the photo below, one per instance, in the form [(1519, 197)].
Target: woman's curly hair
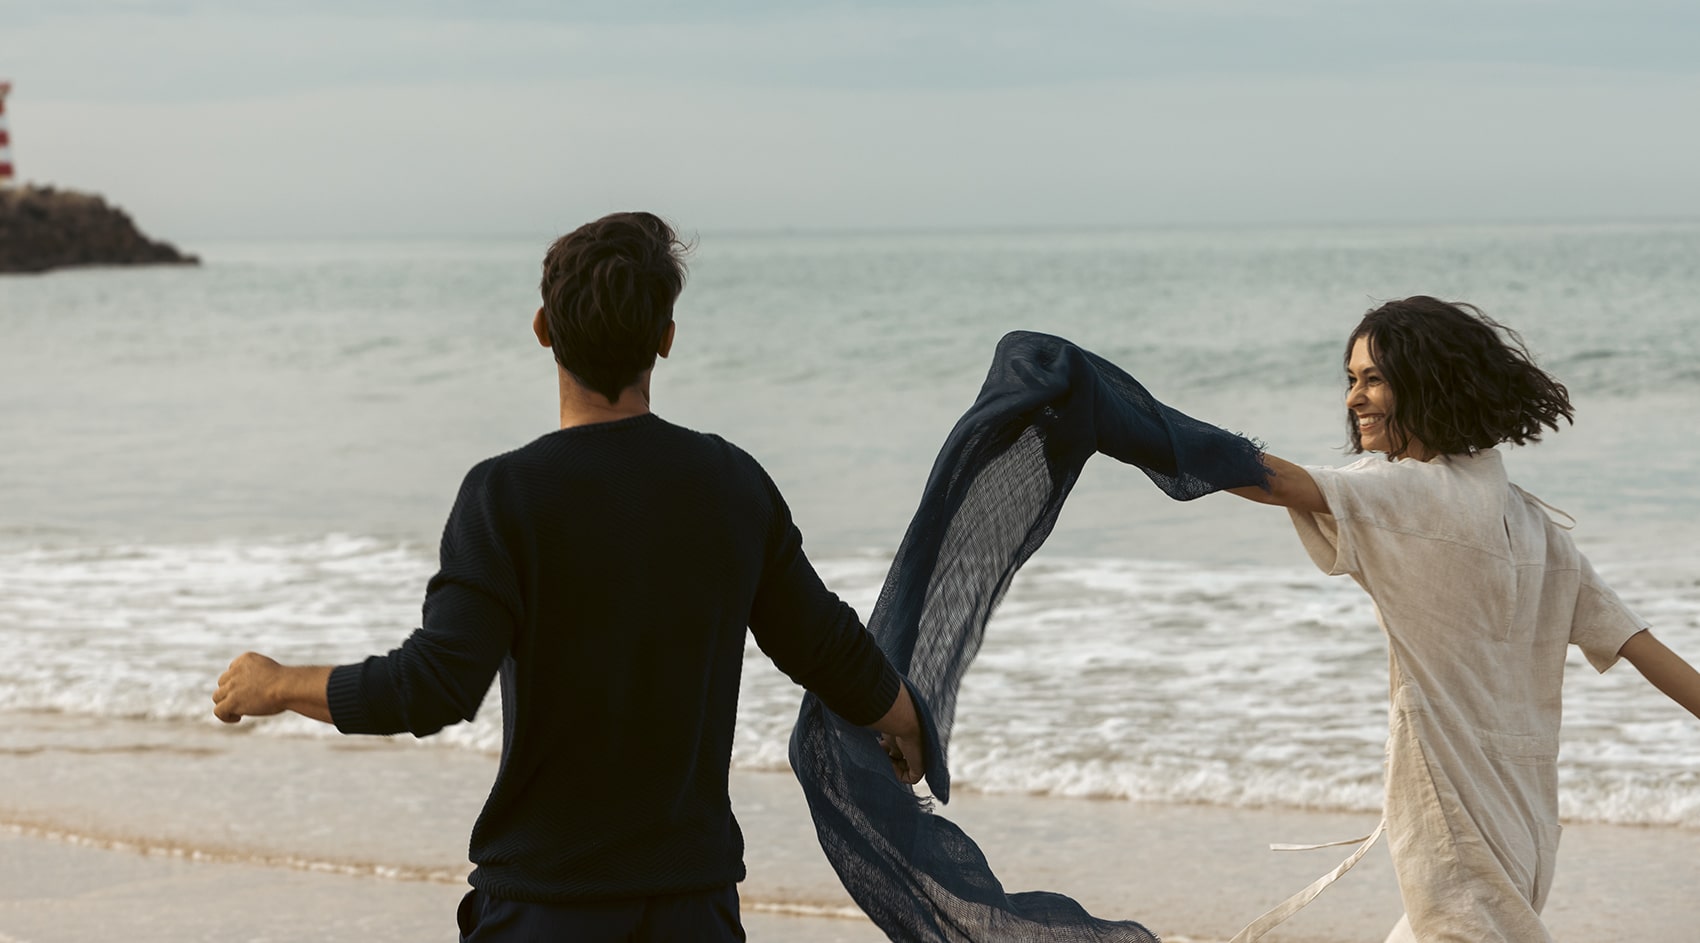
[(1461, 381)]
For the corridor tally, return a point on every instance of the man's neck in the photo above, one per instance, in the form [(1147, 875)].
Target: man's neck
[(581, 406)]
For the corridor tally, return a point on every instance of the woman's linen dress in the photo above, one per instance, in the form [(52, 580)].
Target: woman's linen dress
[(1479, 593)]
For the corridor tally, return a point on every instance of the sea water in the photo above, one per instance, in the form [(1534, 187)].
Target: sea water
[(259, 453)]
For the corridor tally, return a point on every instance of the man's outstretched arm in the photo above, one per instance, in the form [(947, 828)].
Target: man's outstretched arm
[(257, 686)]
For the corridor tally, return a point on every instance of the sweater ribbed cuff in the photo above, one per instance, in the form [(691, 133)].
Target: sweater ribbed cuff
[(346, 699), (884, 693)]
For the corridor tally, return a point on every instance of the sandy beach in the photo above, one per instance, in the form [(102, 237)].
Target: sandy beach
[(172, 831)]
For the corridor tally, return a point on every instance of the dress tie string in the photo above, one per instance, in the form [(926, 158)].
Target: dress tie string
[(1292, 905)]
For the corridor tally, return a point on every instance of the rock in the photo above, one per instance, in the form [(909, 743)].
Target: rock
[(43, 228)]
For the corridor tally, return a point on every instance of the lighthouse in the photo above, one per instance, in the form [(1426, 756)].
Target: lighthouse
[(5, 138)]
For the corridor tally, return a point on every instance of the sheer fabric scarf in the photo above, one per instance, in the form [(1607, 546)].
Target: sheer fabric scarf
[(991, 500)]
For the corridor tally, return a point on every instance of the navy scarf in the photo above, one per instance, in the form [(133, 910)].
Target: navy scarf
[(991, 500)]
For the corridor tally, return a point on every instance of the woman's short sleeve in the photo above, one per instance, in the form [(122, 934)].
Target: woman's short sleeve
[(1602, 623), (1330, 538)]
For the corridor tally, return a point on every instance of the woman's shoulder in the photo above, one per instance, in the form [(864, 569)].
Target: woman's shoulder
[(1375, 472), (1482, 465), (1413, 495)]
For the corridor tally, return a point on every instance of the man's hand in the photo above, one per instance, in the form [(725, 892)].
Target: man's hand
[(256, 686), (907, 757), (902, 740)]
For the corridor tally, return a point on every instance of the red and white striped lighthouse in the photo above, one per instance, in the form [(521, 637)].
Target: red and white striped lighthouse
[(5, 139)]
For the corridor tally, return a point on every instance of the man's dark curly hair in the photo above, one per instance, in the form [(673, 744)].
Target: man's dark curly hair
[(1461, 381), (608, 293)]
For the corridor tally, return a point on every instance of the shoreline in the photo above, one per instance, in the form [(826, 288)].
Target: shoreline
[(201, 831)]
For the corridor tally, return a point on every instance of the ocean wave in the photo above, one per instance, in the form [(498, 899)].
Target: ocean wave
[(1099, 677)]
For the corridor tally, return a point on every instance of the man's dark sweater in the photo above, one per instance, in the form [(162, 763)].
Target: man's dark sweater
[(608, 572)]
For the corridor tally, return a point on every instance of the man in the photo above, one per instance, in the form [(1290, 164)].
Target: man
[(607, 572)]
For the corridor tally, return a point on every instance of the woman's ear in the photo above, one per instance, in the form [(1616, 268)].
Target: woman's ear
[(540, 327)]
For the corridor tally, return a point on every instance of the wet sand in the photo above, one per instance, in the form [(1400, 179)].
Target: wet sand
[(163, 832)]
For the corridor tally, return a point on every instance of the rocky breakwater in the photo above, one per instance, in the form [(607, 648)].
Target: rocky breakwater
[(44, 228)]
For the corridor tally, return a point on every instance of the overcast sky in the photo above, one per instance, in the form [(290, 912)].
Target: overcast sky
[(363, 117)]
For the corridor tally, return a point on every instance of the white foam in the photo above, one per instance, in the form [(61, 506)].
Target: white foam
[(1106, 678), (1238, 686)]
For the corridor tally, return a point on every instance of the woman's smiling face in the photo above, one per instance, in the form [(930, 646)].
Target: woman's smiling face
[(1370, 398)]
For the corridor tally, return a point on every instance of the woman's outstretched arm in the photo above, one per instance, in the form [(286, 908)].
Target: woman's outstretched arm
[(1290, 486), (1665, 669)]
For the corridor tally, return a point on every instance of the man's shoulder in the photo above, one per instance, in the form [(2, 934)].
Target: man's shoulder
[(589, 446), (710, 442)]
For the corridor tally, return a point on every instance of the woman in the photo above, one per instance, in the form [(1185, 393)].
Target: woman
[(1479, 592)]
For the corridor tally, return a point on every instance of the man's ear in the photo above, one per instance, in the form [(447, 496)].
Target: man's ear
[(666, 340), (540, 327)]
